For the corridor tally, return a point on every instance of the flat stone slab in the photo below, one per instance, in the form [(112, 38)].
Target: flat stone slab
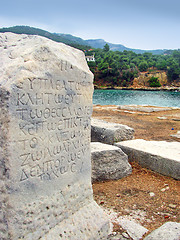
[(108, 162), (132, 227), (145, 108), (134, 230), (107, 132), (160, 156), (177, 135), (168, 231)]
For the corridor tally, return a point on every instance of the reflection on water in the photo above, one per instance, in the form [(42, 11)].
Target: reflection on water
[(127, 97)]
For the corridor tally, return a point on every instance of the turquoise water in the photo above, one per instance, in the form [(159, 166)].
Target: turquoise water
[(127, 97)]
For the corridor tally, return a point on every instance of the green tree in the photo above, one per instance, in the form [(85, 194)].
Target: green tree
[(143, 66), (106, 48), (154, 82), (173, 72), (162, 64)]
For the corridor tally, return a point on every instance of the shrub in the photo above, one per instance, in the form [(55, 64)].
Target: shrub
[(154, 82)]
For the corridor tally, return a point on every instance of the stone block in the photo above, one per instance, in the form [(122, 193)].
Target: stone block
[(160, 156), (108, 162), (145, 108), (177, 135), (45, 122), (134, 230), (168, 231), (110, 133)]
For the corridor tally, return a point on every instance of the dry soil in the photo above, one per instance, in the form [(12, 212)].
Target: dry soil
[(145, 196)]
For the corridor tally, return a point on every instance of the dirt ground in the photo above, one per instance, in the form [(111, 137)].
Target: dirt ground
[(145, 196)]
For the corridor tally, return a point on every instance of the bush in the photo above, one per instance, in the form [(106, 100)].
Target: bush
[(143, 66), (154, 82)]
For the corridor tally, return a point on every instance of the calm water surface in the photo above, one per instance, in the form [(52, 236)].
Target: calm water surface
[(127, 97)]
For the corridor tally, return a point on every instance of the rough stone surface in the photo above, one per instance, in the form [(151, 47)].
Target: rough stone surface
[(177, 135), (168, 231), (108, 162), (45, 176), (106, 132), (134, 230), (117, 237), (162, 118), (160, 156), (129, 225)]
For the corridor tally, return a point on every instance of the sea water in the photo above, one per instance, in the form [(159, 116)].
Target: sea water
[(137, 97)]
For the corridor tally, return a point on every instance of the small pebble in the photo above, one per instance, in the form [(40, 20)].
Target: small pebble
[(172, 205), (162, 118), (152, 194), (164, 189)]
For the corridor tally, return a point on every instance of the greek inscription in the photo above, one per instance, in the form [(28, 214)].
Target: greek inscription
[(45, 176), (37, 155), (25, 159), (54, 124), (24, 176), (56, 84), (55, 112), (48, 169), (33, 142), (22, 113)]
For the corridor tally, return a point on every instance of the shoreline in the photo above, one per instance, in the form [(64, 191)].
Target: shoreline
[(172, 89), (145, 106)]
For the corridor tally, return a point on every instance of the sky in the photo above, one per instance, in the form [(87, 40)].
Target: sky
[(140, 24)]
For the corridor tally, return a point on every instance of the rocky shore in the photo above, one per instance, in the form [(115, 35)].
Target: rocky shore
[(167, 88)]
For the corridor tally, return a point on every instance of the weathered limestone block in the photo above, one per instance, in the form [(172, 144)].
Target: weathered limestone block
[(160, 156), (108, 162), (134, 229), (177, 135), (168, 231), (145, 108), (45, 163), (110, 133)]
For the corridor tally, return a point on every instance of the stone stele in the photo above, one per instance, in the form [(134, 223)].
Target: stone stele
[(45, 166)]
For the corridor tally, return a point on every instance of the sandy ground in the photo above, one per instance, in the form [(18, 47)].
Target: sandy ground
[(145, 196)]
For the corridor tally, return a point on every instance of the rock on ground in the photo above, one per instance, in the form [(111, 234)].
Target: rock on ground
[(134, 230), (160, 156), (108, 162), (145, 108), (177, 135), (106, 132), (129, 228), (168, 231)]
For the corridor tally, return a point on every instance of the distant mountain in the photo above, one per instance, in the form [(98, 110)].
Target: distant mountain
[(72, 38), (99, 43), (75, 41)]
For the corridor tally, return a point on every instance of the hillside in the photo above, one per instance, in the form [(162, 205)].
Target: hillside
[(129, 69), (117, 66), (53, 36), (75, 41), (99, 43)]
